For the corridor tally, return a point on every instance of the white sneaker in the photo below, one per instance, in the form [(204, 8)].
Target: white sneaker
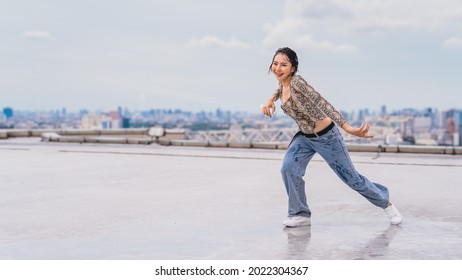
[(297, 221), (394, 215)]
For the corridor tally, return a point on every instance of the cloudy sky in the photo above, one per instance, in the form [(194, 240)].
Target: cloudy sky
[(208, 54)]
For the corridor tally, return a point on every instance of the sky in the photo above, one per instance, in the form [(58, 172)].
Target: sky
[(207, 54)]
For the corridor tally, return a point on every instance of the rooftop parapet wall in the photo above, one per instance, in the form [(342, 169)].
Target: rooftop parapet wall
[(71, 132), (154, 132), (177, 137), (450, 150)]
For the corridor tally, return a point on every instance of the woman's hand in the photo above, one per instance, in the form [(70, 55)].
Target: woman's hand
[(362, 131), (268, 108)]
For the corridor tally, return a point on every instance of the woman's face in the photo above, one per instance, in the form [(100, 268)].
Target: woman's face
[(282, 68)]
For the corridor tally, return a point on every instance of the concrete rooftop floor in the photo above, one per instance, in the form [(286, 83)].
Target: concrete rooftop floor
[(94, 201)]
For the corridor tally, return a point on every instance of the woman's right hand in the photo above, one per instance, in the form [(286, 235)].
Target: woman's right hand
[(268, 108)]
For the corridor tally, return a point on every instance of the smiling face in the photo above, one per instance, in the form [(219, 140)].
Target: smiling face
[(282, 68)]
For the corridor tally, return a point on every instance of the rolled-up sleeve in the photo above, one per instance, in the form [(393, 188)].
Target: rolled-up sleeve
[(277, 94)]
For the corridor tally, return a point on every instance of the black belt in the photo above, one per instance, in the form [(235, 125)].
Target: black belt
[(317, 134)]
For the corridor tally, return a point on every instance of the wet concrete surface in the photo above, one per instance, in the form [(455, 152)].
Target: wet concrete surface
[(71, 201)]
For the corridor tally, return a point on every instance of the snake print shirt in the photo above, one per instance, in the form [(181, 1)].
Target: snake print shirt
[(306, 106)]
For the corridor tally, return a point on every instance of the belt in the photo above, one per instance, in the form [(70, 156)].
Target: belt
[(317, 134)]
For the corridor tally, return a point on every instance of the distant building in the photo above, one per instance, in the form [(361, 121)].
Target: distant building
[(453, 127), (383, 110), (115, 120), (8, 112), (96, 121), (91, 121), (362, 115), (106, 123), (458, 134), (83, 112), (422, 123), (126, 122), (393, 139)]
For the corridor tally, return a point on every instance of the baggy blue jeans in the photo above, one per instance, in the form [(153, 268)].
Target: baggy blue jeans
[(333, 149)]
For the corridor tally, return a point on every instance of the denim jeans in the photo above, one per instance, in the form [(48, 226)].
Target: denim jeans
[(333, 149)]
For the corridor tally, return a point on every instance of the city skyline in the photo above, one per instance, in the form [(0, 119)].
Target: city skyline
[(381, 109), (429, 126), (204, 55)]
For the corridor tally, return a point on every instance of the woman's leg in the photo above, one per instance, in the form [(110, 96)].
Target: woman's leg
[(293, 169), (333, 149)]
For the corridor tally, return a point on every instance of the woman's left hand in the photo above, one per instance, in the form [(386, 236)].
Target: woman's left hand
[(362, 131)]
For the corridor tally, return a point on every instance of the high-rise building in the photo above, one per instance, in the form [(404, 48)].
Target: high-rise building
[(8, 111), (383, 110), (454, 126), (458, 122), (119, 110)]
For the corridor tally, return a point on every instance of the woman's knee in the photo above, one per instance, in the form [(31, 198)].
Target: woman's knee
[(290, 166)]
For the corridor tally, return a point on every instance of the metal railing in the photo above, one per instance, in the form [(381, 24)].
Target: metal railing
[(247, 138)]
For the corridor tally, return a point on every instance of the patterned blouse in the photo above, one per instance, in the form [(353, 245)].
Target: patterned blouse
[(306, 106)]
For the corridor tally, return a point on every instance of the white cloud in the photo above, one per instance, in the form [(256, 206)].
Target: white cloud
[(293, 32), (39, 35), (283, 32), (307, 42), (357, 16), (453, 42), (303, 21), (215, 42)]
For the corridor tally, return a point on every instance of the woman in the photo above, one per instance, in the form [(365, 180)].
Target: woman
[(315, 117)]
